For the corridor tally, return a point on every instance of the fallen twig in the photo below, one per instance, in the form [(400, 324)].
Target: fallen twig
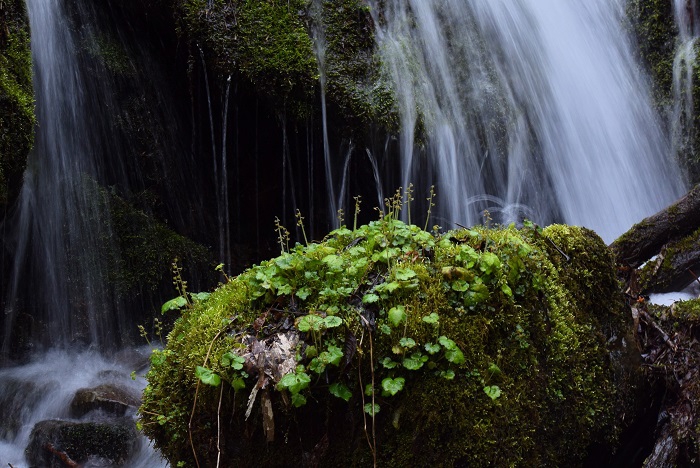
[(649, 320)]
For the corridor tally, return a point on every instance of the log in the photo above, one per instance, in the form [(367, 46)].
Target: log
[(646, 238), (676, 266)]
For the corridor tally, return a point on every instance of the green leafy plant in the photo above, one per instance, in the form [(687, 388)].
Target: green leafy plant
[(207, 376)]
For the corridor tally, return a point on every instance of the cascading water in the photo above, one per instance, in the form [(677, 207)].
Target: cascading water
[(57, 245), (532, 103), (62, 243), (320, 49), (44, 389), (687, 15)]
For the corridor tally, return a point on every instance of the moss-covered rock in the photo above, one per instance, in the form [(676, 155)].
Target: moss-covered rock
[(108, 442), (355, 85), (273, 46), (266, 42), (671, 351), (16, 97), (478, 347), (655, 30), (146, 248)]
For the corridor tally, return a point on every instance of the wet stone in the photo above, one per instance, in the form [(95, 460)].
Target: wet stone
[(110, 398), (56, 443)]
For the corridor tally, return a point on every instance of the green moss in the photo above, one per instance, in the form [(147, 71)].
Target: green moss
[(672, 255), (110, 53), (654, 27), (687, 312), (16, 97), (690, 152), (266, 42), (271, 44), (355, 83), (147, 248), (530, 313), (139, 250)]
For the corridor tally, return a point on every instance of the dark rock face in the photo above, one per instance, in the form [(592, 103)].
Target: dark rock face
[(57, 444), (110, 398)]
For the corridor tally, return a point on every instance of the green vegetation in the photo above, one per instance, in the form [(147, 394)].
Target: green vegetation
[(271, 45), (266, 42), (656, 32), (16, 97), (355, 84), (139, 250), (654, 27), (145, 249), (388, 343)]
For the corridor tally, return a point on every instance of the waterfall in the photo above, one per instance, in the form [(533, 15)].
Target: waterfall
[(60, 290), (525, 107), (687, 16), (59, 271), (320, 50)]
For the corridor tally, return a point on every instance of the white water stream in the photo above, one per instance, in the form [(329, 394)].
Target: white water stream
[(687, 16), (537, 105), (44, 388), (62, 231)]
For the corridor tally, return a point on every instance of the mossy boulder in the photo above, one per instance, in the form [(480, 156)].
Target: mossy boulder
[(655, 30), (16, 97), (264, 41), (273, 46), (471, 348), (107, 443), (653, 26)]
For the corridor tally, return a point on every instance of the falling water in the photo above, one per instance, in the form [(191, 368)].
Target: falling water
[(44, 389), (320, 49), (64, 241), (377, 177), (531, 103), (62, 232), (688, 21)]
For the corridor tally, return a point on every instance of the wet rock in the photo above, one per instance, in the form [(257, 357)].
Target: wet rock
[(56, 443), (110, 398)]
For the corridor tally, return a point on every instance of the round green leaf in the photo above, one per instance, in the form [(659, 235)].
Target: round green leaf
[(371, 409), (332, 321), (340, 390), (207, 376), (397, 315), (393, 386), (492, 391), (433, 318), (174, 304)]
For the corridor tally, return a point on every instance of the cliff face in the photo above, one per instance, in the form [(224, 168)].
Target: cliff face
[(16, 97)]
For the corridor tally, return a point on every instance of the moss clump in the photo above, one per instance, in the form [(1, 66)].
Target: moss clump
[(266, 42), (138, 250), (655, 30), (113, 442), (656, 275), (146, 249), (481, 346), (355, 84), (16, 97), (271, 44)]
